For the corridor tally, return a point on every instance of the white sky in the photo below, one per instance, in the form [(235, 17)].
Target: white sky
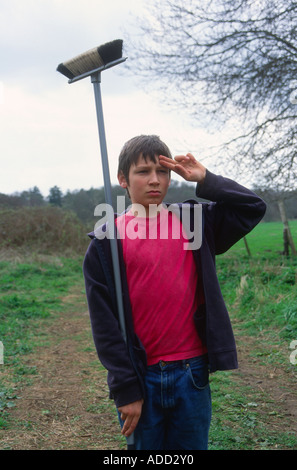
[(48, 128)]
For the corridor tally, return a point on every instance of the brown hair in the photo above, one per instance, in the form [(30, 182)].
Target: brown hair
[(147, 146)]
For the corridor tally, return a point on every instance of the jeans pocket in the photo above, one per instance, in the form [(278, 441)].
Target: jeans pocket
[(199, 375)]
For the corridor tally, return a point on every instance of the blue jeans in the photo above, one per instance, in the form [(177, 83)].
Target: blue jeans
[(176, 412)]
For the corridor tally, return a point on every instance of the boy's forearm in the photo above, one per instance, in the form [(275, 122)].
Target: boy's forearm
[(233, 212), (218, 188)]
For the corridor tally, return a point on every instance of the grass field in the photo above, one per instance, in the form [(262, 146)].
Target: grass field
[(30, 293), (261, 295), (266, 240), (248, 405), (263, 286)]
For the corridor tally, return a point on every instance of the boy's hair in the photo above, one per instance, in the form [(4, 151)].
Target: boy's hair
[(147, 146)]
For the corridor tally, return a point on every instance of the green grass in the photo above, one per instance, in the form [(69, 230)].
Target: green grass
[(262, 289), (266, 240), (29, 294), (242, 418), (261, 296)]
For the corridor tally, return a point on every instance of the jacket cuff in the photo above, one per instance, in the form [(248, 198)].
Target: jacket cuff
[(127, 395), (213, 187), (202, 188)]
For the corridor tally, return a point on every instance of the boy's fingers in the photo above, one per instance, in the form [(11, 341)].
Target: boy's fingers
[(178, 158), (129, 426), (165, 160), (174, 165), (130, 415), (182, 158)]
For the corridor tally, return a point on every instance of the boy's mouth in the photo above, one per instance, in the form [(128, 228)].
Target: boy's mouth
[(154, 193)]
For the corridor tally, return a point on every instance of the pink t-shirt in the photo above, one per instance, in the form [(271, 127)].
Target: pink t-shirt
[(162, 280)]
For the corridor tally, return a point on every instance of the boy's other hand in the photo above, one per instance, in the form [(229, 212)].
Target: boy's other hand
[(130, 414), (186, 166)]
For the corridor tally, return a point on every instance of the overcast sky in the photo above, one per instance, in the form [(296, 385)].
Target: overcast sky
[(49, 133)]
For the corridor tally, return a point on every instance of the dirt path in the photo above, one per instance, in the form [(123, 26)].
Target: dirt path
[(66, 406), (277, 384), (60, 409)]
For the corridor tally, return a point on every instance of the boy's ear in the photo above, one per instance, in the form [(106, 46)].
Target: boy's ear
[(122, 180)]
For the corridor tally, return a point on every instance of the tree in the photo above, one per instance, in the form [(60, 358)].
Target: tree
[(32, 197), (55, 196), (232, 65)]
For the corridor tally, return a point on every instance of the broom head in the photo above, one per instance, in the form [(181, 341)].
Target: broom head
[(91, 60)]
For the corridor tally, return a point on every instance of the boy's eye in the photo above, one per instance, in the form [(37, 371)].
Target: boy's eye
[(145, 171)]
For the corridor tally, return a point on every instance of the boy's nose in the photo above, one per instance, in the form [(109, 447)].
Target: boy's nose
[(154, 178)]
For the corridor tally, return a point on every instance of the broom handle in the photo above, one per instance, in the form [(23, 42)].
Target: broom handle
[(96, 80), (108, 198)]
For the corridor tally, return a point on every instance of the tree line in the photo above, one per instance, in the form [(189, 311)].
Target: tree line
[(82, 202)]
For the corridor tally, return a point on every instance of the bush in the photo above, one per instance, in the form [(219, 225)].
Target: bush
[(42, 229)]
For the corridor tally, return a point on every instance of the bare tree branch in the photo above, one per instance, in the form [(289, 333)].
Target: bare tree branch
[(228, 62)]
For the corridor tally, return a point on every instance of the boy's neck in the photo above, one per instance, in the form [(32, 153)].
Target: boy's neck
[(152, 210)]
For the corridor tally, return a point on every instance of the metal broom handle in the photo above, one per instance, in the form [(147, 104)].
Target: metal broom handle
[(96, 80), (92, 63)]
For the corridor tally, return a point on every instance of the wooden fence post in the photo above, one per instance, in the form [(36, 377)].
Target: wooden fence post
[(288, 239), (247, 247)]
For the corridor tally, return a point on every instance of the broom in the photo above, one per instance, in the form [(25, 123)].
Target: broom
[(92, 63)]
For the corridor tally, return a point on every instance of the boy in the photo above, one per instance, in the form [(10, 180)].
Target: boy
[(178, 328)]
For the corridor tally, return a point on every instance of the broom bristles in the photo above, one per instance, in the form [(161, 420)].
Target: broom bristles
[(92, 59)]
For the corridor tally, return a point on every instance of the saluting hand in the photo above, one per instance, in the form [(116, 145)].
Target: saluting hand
[(186, 166)]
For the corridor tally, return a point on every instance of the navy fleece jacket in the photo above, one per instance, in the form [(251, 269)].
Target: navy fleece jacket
[(232, 213)]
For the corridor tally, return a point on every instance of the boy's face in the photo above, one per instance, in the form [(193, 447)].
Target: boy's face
[(148, 182)]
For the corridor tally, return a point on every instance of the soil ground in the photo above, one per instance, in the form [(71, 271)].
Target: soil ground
[(66, 405)]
